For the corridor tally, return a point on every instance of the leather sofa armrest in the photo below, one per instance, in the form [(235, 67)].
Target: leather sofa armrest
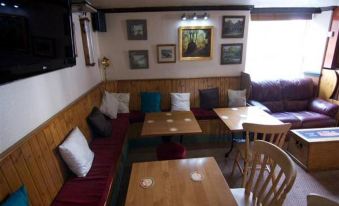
[(323, 107), (259, 105)]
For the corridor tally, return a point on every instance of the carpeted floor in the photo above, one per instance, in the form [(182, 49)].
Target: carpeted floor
[(324, 183)]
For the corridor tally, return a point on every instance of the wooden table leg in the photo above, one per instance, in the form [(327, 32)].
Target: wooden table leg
[(181, 136), (232, 144)]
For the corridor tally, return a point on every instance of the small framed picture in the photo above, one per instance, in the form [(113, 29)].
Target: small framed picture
[(231, 54), (136, 29), (166, 53), (138, 59), (233, 26)]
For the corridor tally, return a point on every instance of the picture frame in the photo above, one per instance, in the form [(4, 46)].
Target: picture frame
[(231, 53), (136, 29), (233, 26), (138, 59), (87, 41), (166, 53), (195, 43)]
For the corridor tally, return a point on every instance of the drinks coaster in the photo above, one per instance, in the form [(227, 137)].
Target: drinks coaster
[(173, 129), (188, 119), (146, 182), (196, 176), (169, 120), (168, 114), (150, 121)]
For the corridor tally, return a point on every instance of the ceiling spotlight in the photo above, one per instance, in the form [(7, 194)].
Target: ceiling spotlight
[(183, 17), (2, 4), (195, 16), (16, 6), (205, 16)]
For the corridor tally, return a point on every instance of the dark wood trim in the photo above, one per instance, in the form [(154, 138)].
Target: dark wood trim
[(178, 8), (310, 10)]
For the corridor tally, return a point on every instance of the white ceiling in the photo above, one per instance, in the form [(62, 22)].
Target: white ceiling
[(102, 4)]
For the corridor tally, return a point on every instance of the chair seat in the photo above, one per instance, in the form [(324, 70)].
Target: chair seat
[(241, 198), (171, 150)]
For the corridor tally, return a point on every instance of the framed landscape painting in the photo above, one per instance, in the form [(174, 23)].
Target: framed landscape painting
[(138, 59), (136, 29), (166, 53), (195, 42), (231, 54), (233, 26)]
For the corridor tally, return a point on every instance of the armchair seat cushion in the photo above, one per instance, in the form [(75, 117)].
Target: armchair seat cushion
[(313, 119), (288, 117)]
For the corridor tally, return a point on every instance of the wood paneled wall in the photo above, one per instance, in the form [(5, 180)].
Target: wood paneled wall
[(166, 86), (35, 162)]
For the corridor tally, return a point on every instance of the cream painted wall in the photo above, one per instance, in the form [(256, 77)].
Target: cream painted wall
[(27, 103), (162, 28)]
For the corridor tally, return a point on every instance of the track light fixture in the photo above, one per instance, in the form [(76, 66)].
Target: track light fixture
[(194, 16)]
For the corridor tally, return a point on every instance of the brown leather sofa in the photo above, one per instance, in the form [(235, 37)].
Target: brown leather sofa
[(293, 101)]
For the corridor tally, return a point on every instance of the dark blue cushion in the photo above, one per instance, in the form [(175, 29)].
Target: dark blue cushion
[(150, 101), (18, 198)]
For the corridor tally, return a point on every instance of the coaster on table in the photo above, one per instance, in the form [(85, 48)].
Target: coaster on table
[(224, 117), (146, 182), (173, 129), (234, 109), (187, 119), (150, 121), (243, 115), (196, 176), (168, 114), (169, 120)]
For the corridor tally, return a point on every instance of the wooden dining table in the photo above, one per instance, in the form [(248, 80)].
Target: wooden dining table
[(234, 117), (173, 184)]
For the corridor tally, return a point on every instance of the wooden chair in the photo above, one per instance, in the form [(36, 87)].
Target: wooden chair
[(274, 134), (259, 190), (316, 200)]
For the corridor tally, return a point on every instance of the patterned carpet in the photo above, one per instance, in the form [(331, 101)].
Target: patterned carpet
[(324, 183)]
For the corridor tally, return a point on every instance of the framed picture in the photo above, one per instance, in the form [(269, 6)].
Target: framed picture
[(138, 59), (233, 26), (136, 29), (231, 54), (195, 42), (166, 53), (87, 41)]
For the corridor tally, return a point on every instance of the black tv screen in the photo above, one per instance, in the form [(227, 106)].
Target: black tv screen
[(35, 37)]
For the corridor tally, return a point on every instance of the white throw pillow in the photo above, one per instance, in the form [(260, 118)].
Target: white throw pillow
[(180, 101), (109, 105), (236, 98), (76, 153), (123, 99)]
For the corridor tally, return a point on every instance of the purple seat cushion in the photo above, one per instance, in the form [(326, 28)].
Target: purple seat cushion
[(204, 114), (313, 120), (170, 150), (288, 117)]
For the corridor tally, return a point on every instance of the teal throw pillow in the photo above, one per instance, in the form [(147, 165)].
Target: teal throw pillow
[(18, 198), (150, 101)]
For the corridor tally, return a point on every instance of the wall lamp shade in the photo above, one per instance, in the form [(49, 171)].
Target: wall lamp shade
[(105, 62)]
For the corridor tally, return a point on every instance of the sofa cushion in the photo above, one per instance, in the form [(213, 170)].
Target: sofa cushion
[(100, 126), (180, 101), (297, 89), (209, 98), (274, 106), (295, 105), (150, 101), (266, 91), (313, 120), (18, 198), (204, 114), (288, 117), (236, 98)]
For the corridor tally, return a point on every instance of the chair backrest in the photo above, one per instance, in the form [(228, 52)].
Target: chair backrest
[(272, 187), (274, 134), (316, 200)]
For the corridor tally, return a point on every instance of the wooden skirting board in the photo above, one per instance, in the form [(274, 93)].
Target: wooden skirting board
[(34, 160)]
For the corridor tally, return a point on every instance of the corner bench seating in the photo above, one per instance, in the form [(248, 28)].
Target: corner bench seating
[(94, 188)]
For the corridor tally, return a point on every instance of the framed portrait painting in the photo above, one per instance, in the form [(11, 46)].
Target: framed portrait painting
[(231, 54), (233, 26), (166, 53), (136, 29), (138, 59), (195, 43)]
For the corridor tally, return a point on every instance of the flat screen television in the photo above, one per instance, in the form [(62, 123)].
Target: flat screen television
[(35, 37)]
